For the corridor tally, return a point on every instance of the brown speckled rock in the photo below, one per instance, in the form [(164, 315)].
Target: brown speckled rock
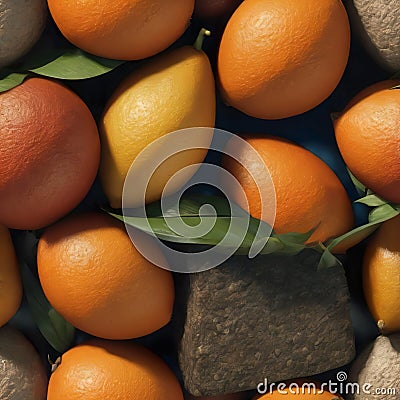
[(378, 367), (273, 317)]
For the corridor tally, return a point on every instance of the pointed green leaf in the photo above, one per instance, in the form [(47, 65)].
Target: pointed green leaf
[(328, 260), (294, 237), (382, 213), (372, 200), (361, 189), (355, 236), (74, 65), (56, 331), (11, 80)]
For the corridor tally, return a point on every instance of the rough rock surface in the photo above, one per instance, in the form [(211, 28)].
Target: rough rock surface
[(377, 23), (273, 317), (22, 375), (378, 367), (21, 24)]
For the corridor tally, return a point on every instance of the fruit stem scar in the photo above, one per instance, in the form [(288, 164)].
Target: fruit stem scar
[(55, 364), (198, 44), (381, 325)]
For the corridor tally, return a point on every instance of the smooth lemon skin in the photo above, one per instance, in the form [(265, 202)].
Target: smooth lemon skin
[(176, 90), (10, 278)]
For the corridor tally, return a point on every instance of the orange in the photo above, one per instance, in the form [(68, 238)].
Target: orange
[(381, 275), (49, 153), (280, 58), (122, 29), (308, 193), (172, 91), (105, 370), (368, 137), (10, 278), (95, 278)]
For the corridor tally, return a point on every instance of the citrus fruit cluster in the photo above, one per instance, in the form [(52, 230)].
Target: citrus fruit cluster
[(274, 60)]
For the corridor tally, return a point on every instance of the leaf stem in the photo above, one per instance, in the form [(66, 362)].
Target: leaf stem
[(198, 44)]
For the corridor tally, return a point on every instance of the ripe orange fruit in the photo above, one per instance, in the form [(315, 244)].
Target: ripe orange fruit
[(96, 279), (10, 278), (172, 91), (122, 29), (381, 275), (308, 193), (280, 58), (49, 153), (103, 370), (368, 137)]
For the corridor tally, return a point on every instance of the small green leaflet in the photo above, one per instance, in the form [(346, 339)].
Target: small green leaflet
[(361, 189), (11, 81), (76, 64), (372, 200), (58, 332), (382, 212), (71, 64)]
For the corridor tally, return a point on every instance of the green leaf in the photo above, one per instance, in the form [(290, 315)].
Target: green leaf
[(372, 200), (11, 81), (74, 65), (361, 189), (382, 213), (229, 219), (328, 260), (355, 236), (54, 328)]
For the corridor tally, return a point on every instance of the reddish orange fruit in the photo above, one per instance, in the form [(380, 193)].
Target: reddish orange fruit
[(10, 278), (280, 58), (308, 193), (122, 29), (49, 153), (97, 280), (368, 137), (103, 370)]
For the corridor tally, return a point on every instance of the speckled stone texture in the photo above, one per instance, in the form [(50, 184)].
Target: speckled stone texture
[(377, 369), (273, 317)]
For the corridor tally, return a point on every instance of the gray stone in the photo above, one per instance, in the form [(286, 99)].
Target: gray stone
[(273, 317)]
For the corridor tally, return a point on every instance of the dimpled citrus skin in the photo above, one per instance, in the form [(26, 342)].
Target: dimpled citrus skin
[(122, 29), (368, 137), (280, 58), (105, 370), (381, 275), (173, 91), (10, 278), (49, 153), (95, 278), (308, 193)]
